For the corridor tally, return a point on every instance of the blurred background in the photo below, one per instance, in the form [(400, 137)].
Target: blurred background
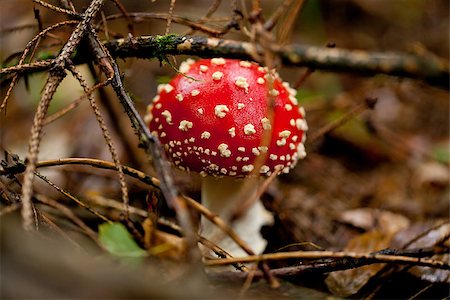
[(375, 182)]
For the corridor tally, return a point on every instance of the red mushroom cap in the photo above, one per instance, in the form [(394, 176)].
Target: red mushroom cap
[(212, 119)]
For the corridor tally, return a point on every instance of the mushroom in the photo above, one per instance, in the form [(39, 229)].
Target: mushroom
[(214, 119)]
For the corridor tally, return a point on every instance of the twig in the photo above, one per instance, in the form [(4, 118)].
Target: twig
[(71, 197), (74, 104), (431, 70), (66, 211), (369, 103), (28, 46), (215, 219), (58, 9), (106, 136), (56, 75), (169, 19), (194, 25), (150, 144), (369, 257)]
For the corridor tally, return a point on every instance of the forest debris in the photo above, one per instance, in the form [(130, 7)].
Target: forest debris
[(163, 244), (382, 226), (369, 218), (420, 236), (431, 174), (349, 282)]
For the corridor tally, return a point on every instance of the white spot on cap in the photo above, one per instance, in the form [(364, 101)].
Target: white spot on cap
[(281, 142), (241, 105), (205, 135), (217, 75), (273, 156), (284, 134), (294, 138), (232, 173), (264, 169), (158, 105), (266, 123), (232, 131), (163, 134), (247, 168), (179, 97), (256, 151), (274, 92), (260, 80), (301, 124), (185, 125), (262, 69), (160, 87), (291, 146), (213, 167), (156, 98), (293, 100), (242, 83), (200, 111), (221, 110), (218, 61), (195, 92), (203, 68), (249, 129), (263, 149), (223, 171), (292, 122), (241, 149), (224, 151), (301, 110), (245, 64), (246, 158), (166, 114), (301, 151), (288, 107), (186, 65), (168, 88), (192, 140)]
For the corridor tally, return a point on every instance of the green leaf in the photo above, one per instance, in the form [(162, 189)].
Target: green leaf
[(118, 241)]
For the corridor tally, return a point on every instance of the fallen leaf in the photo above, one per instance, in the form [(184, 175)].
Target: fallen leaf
[(118, 241), (370, 218)]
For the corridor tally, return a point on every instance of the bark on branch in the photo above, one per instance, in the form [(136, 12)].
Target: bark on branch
[(428, 68)]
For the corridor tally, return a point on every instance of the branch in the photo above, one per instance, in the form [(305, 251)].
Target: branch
[(430, 69), (361, 258), (56, 75)]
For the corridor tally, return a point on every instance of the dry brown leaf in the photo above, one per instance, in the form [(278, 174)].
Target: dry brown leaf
[(382, 226), (348, 282), (162, 244), (435, 234), (369, 218)]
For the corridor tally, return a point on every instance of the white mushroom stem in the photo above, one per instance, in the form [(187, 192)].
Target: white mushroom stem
[(223, 196)]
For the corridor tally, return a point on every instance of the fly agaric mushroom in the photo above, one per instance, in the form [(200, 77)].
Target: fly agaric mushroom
[(214, 119)]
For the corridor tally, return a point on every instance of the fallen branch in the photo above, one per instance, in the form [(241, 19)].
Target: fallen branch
[(428, 68), (367, 258)]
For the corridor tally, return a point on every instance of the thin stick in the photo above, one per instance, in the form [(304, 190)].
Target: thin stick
[(368, 104), (58, 9), (372, 258), (107, 138), (68, 212), (429, 69), (71, 197), (169, 19), (56, 75), (28, 46), (74, 104)]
